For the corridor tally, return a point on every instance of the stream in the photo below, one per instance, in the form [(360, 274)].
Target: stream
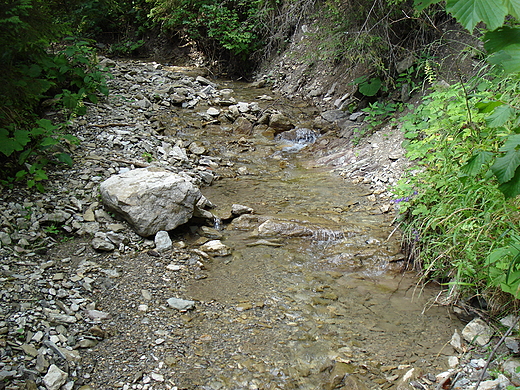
[(312, 296)]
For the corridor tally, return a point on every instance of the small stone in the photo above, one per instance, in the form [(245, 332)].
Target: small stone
[(60, 318), (157, 377), (29, 350), (216, 247), (163, 241), (87, 343), (55, 378), (456, 341), (513, 344), (453, 361), (101, 244), (477, 331), (173, 267), (511, 367), (97, 315), (238, 209), (142, 307), (213, 111), (181, 304), (146, 295)]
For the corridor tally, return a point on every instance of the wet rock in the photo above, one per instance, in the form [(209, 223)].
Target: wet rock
[(243, 126), (162, 241), (477, 331), (216, 247), (353, 382), (497, 384), (213, 111), (238, 209), (5, 239), (272, 228), (150, 201), (338, 373), (280, 122), (211, 233), (55, 378), (197, 149), (181, 304)]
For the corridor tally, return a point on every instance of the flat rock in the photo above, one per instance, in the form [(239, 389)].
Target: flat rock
[(216, 247), (181, 304), (238, 209)]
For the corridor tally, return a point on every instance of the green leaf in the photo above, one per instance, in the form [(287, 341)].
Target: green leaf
[(512, 143), (65, 158), (500, 116), (514, 8), (474, 164), (22, 137), (511, 188), (485, 107), (504, 167), (9, 145), (49, 141), (508, 59), (370, 87), (422, 4), (501, 38), (71, 138), (470, 12)]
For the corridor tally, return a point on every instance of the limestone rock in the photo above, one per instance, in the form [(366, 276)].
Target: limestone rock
[(334, 115), (54, 378), (510, 367), (163, 241), (477, 331), (181, 304), (150, 200), (238, 209), (216, 247)]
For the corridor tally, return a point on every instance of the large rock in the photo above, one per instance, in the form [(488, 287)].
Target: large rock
[(150, 200)]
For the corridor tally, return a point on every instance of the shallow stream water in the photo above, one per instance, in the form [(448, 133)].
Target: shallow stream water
[(313, 282)]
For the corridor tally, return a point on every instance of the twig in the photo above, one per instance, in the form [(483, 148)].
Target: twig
[(393, 231), (495, 350)]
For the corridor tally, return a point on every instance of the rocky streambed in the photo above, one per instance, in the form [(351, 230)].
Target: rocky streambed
[(282, 275)]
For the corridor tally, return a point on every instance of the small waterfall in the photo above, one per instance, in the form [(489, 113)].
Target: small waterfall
[(325, 235), (217, 223), (299, 138)]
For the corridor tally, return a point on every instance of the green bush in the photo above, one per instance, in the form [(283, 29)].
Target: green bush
[(458, 224), (35, 75)]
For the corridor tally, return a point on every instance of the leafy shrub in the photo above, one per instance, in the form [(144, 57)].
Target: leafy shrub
[(33, 75), (457, 221)]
